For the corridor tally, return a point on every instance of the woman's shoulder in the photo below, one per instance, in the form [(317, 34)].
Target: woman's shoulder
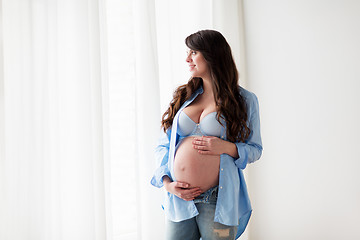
[(249, 96)]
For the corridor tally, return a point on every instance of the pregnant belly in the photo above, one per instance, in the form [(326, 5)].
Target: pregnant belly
[(194, 168)]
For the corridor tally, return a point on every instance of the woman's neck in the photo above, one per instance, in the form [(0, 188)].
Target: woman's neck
[(207, 87)]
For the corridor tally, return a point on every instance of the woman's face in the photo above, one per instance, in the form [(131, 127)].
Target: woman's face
[(197, 64)]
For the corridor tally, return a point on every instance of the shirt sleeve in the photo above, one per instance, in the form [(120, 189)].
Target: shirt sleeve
[(250, 150), (161, 156)]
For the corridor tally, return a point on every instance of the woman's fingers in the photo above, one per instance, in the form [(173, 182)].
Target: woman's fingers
[(205, 152), (208, 145), (202, 143), (200, 147), (182, 185), (183, 190), (188, 194), (199, 142)]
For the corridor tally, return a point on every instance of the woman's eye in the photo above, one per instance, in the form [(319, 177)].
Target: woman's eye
[(190, 52)]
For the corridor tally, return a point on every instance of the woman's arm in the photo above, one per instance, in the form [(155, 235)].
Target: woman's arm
[(250, 150)]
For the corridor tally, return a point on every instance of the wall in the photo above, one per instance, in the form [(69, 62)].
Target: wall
[(303, 62)]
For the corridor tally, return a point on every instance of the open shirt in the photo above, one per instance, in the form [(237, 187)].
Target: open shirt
[(233, 206)]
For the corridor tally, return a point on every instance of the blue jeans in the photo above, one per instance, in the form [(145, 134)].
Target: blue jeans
[(202, 225)]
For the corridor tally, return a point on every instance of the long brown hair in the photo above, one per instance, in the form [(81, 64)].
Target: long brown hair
[(229, 103)]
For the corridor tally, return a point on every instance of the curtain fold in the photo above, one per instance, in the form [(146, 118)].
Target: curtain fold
[(228, 19), (52, 167), (147, 118), (2, 100)]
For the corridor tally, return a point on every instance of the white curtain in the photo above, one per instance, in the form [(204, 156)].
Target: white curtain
[(147, 115), (82, 88), (52, 155)]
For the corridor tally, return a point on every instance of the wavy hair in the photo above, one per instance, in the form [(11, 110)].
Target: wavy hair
[(224, 77)]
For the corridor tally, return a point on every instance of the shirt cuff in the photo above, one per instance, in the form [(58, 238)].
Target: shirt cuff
[(157, 179), (241, 162)]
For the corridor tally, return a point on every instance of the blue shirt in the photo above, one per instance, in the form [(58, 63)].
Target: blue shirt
[(233, 206)]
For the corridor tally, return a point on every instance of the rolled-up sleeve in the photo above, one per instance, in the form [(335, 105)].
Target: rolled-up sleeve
[(161, 157), (250, 150)]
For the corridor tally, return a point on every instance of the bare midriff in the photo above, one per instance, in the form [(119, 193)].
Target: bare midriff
[(196, 169)]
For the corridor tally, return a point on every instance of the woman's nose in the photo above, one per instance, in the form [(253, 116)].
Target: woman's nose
[(188, 58)]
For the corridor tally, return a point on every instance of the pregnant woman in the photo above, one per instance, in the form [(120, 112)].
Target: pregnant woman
[(211, 131)]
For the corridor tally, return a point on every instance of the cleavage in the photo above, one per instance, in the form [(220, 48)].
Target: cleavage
[(190, 114)]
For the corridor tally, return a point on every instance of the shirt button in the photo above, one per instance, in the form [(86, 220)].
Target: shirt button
[(222, 169), (222, 136), (220, 187)]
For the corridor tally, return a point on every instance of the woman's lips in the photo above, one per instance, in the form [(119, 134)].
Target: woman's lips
[(191, 67)]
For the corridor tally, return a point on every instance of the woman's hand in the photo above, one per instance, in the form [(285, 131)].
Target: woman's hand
[(181, 189), (214, 146)]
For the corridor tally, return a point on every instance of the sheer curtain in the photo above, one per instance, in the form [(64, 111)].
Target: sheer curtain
[(52, 155), (82, 88)]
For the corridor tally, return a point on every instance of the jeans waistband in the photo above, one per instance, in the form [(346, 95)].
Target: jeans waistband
[(210, 196)]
